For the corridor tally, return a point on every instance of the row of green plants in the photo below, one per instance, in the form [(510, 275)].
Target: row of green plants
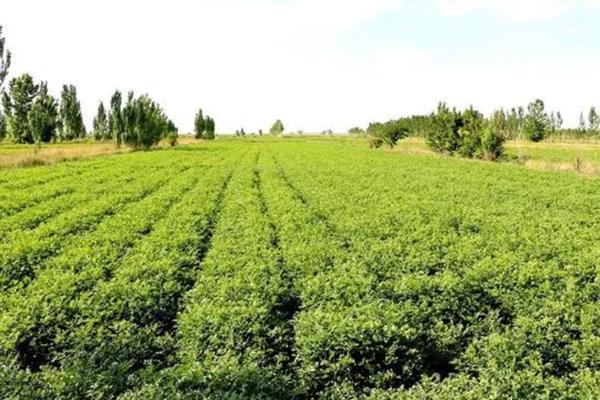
[(477, 292), (23, 251), (104, 275), (37, 336), (46, 186), (240, 273)]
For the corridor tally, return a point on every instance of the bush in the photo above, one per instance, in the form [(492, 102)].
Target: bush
[(387, 133), (443, 135), (467, 134), (492, 143)]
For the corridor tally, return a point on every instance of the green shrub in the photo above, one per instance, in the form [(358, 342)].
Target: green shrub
[(492, 143), (385, 133)]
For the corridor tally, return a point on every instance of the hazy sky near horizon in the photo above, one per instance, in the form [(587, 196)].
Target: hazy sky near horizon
[(315, 64)]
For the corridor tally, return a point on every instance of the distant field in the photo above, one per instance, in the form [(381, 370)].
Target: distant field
[(299, 269)]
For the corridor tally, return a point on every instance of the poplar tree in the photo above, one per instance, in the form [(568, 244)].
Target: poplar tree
[(552, 121), (559, 120), (115, 118), (71, 120), (128, 115), (101, 128), (200, 125), (512, 123), (209, 128), (145, 124), (277, 128), (581, 123), (43, 116), (4, 65), (17, 103), (5, 58), (593, 120)]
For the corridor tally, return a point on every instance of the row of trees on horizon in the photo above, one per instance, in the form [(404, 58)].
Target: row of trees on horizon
[(30, 114), (513, 123), (469, 134)]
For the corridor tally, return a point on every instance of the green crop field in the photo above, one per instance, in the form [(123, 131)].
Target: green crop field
[(309, 268)]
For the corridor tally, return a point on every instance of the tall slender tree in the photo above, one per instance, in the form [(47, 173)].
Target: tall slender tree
[(17, 104), (128, 115), (72, 126), (115, 118), (513, 123), (552, 122), (4, 65), (200, 125), (43, 116), (209, 128), (5, 58), (101, 128), (593, 120), (582, 127), (559, 120)]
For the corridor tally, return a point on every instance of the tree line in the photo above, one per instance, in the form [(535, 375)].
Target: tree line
[(469, 134), (30, 114)]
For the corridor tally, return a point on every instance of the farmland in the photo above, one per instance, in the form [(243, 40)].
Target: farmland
[(298, 268)]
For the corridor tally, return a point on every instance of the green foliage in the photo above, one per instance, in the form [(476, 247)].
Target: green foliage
[(234, 271), (209, 133), (385, 133), (2, 125), (593, 120), (101, 124), (71, 120), (492, 142), (17, 103), (115, 118), (444, 133), (144, 122), (356, 131), (536, 122), (277, 128), (204, 126), (5, 59), (199, 125), (172, 133), (43, 117), (468, 133)]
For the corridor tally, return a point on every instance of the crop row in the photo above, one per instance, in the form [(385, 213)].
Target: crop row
[(83, 192), (309, 271), (24, 251), (459, 263), (96, 291), (44, 186)]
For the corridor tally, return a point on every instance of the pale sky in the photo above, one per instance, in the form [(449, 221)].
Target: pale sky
[(315, 64)]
